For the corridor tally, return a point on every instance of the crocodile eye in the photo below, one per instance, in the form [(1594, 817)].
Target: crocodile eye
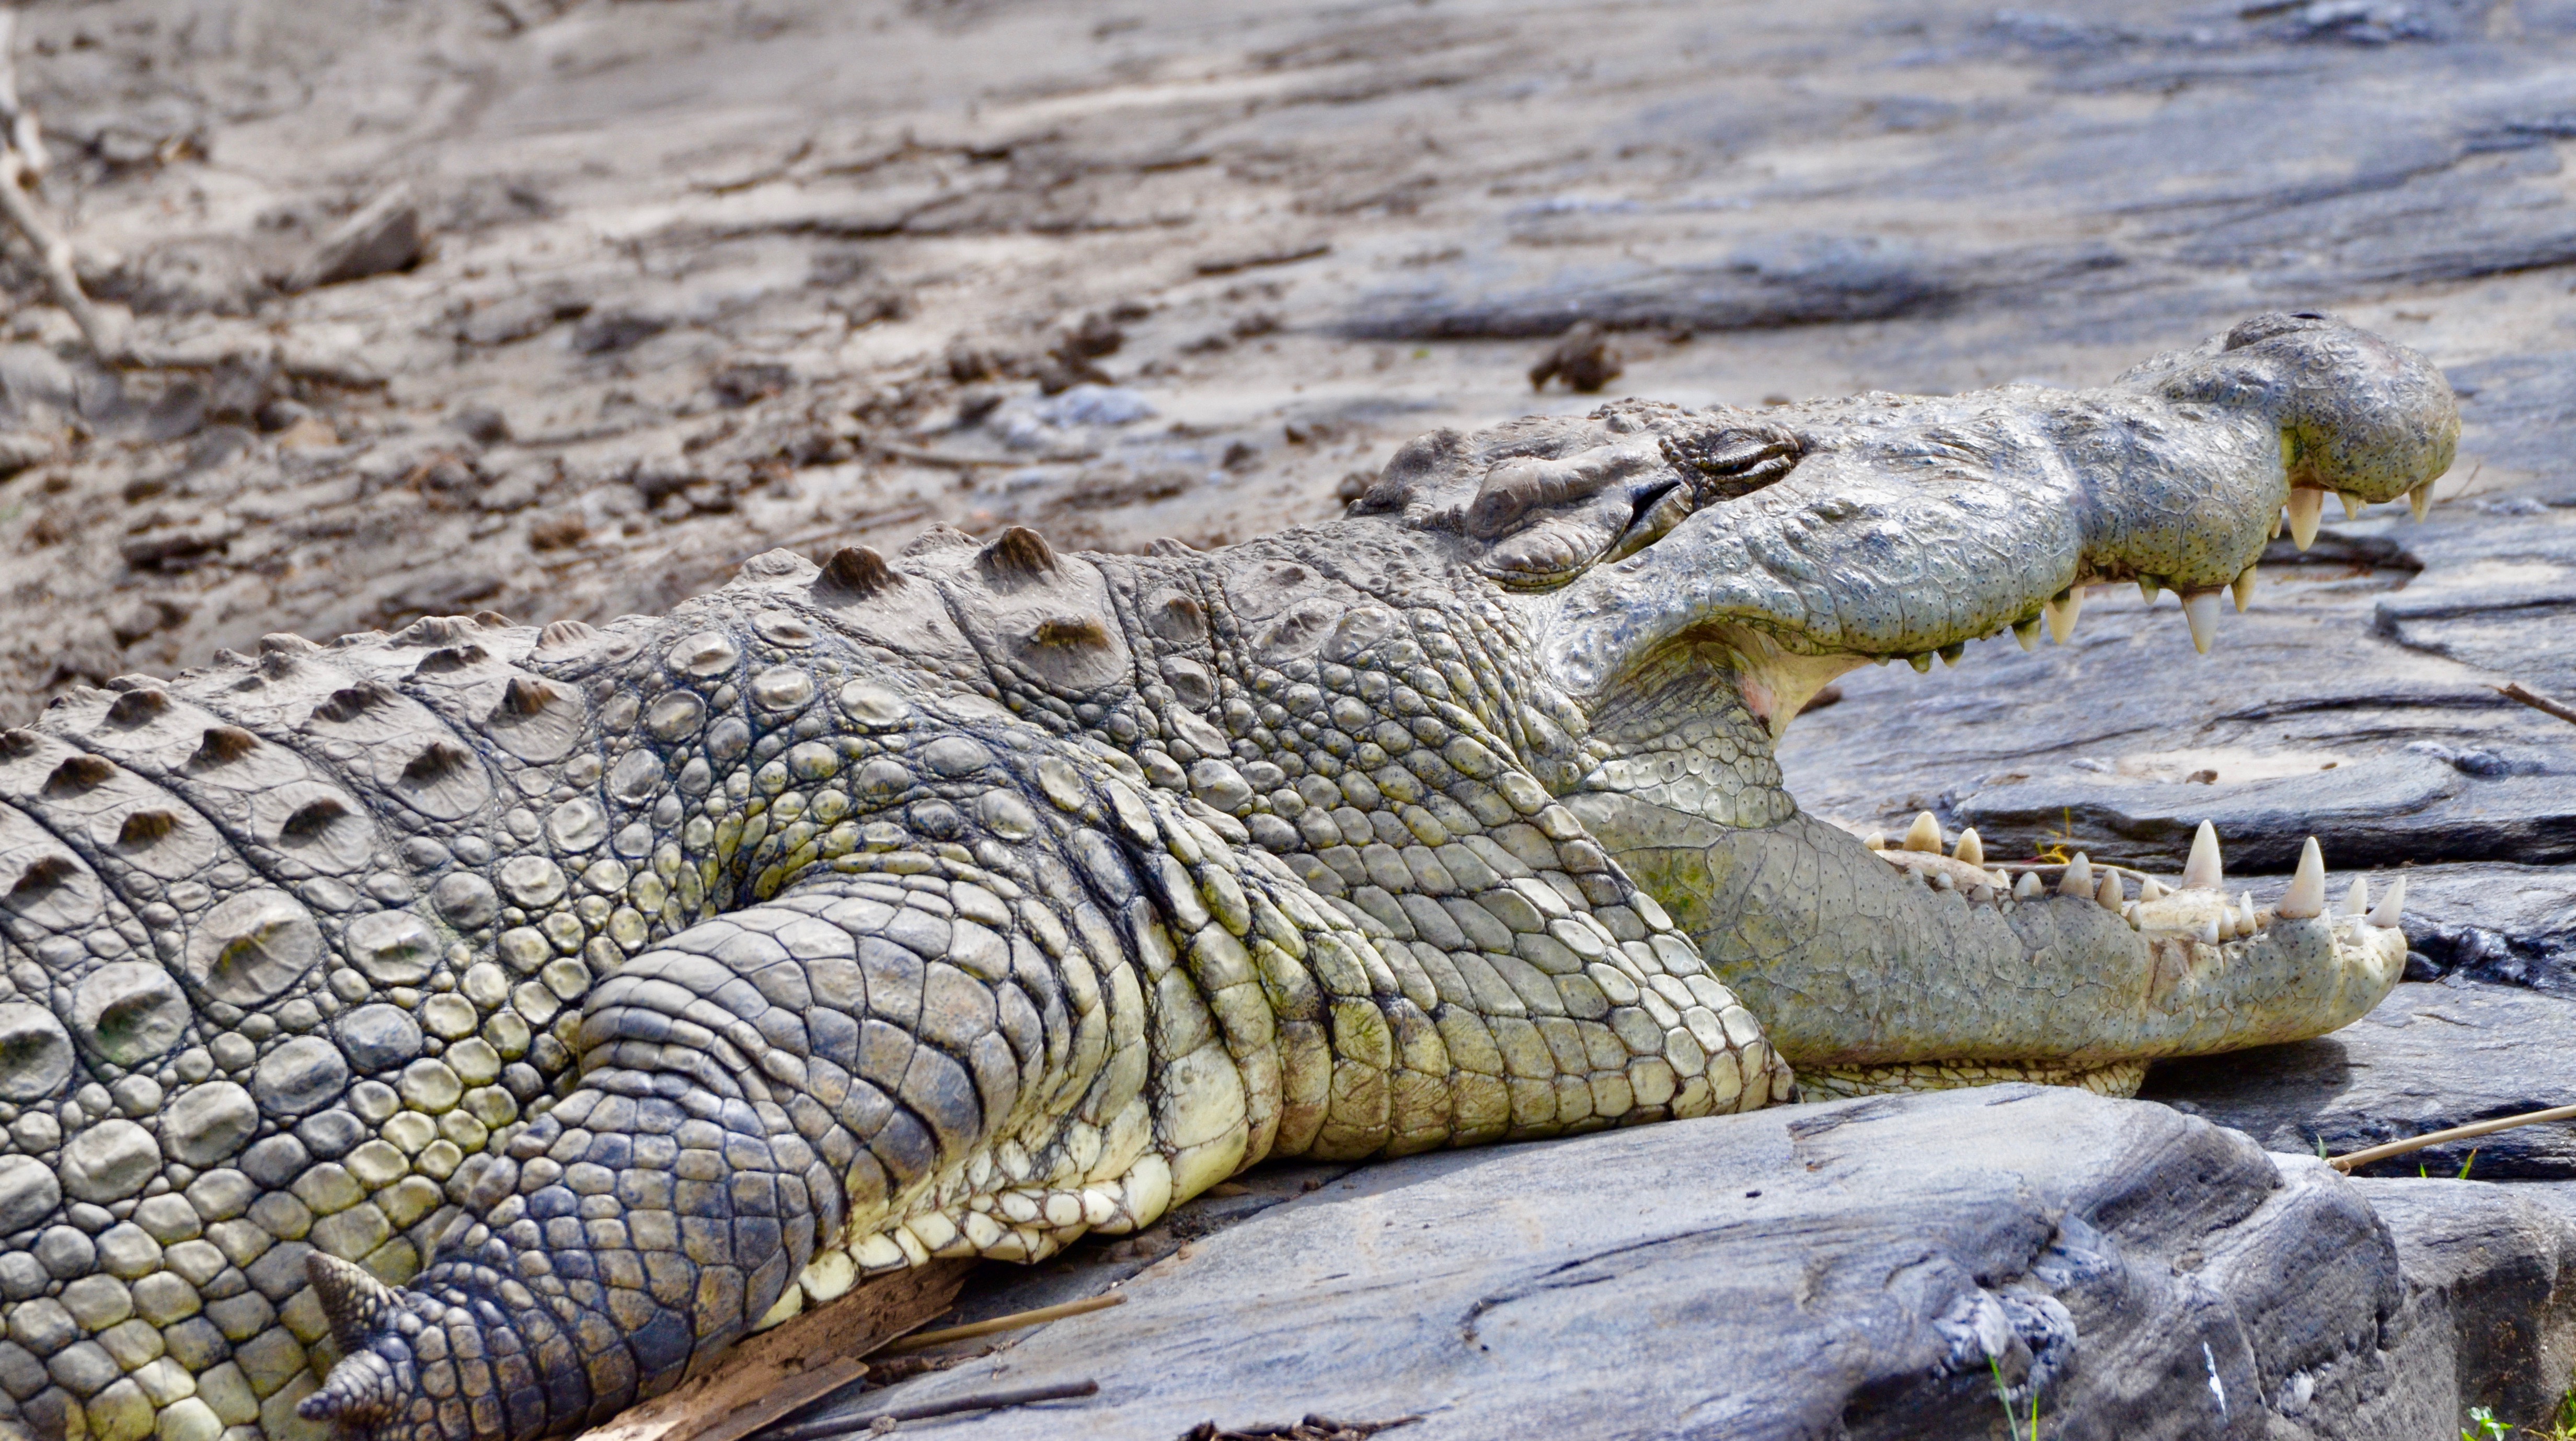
[(1729, 462)]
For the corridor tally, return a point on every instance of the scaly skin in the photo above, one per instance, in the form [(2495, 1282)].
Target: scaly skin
[(613, 992)]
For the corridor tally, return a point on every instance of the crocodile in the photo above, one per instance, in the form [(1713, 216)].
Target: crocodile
[(467, 1031)]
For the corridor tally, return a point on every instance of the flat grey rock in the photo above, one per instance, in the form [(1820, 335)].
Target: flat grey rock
[(2150, 821), (2505, 924), (2525, 404), (384, 235), (2424, 159), (2347, 704), (2430, 1057), (2485, 1270), (1844, 1269)]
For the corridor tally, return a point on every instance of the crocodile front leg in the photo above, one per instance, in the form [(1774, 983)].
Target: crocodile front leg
[(745, 1089), (1043, 1000)]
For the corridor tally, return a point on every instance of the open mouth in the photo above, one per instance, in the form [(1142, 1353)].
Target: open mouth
[(1904, 528), (1919, 960)]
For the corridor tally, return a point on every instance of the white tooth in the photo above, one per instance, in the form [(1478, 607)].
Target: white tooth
[(1983, 895), (2276, 526), (2244, 589), (2246, 923), (2028, 886), (2420, 500), (1922, 663), (1924, 834), (2200, 873), (2061, 612), (2078, 880), (2112, 895), (2392, 907), (2352, 504), (2307, 507), (2209, 931), (2356, 902), (1875, 840), (2148, 590), (2200, 612), (2226, 923), (2306, 897), (1941, 881), (2153, 890), (1971, 850), (2026, 633)]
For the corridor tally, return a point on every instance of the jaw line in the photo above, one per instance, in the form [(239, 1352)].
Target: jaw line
[(1776, 682), (1692, 728), (1728, 661)]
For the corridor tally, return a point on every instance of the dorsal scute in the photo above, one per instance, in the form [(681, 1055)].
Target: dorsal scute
[(1018, 556), (855, 573)]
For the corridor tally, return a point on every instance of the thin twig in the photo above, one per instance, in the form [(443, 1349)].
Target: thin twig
[(981, 1401), (2456, 1133), (1284, 255), (1013, 1322), (944, 461), (21, 162), (17, 123), (2466, 486), (2516, 690)]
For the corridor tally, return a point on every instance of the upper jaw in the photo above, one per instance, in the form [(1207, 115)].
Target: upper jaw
[(1857, 555), (1912, 525)]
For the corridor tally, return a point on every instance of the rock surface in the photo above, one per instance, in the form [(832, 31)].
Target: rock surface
[(2341, 713), (1846, 1269), (2431, 1057), (2487, 1280)]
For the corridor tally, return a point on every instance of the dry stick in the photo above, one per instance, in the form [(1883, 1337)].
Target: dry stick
[(17, 123), (2455, 1133), (982, 1401), (944, 461), (22, 159), (925, 1340), (54, 252), (2516, 690)]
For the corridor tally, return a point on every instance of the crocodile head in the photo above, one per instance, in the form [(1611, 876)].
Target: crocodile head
[(1691, 579)]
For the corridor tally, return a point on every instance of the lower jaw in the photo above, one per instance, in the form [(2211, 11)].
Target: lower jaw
[(1869, 975)]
